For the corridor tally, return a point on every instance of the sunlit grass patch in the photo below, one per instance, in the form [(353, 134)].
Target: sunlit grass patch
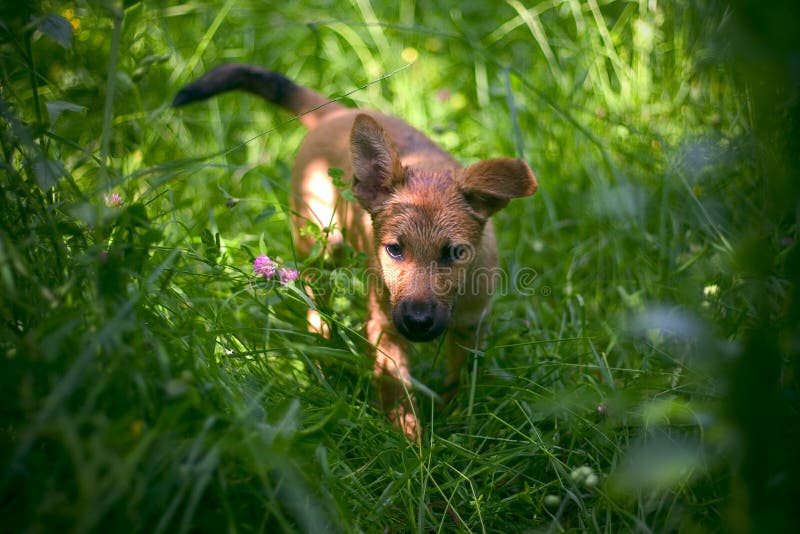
[(640, 371)]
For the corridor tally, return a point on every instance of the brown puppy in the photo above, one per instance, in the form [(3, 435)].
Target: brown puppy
[(423, 220)]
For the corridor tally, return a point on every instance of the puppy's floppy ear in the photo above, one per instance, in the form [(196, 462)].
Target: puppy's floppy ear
[(489, 185), (377, 171)]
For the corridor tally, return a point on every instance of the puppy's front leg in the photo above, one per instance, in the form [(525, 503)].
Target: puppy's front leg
[(391, 373), (459, 341), (466, 335)]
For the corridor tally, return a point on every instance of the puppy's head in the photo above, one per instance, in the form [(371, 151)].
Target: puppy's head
[(428, 224)]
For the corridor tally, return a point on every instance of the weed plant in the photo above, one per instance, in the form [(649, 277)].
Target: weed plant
[(641, 368)]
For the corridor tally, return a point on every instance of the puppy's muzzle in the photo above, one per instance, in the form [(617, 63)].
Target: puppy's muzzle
[(420, 320)]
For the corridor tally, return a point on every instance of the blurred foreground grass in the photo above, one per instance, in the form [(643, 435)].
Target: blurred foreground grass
[(644, 379)]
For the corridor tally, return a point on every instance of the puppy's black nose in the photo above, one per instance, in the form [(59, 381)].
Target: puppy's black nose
[(419, 320), (418, 315)]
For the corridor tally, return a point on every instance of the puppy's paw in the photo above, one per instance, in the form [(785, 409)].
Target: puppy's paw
[(405, 419)]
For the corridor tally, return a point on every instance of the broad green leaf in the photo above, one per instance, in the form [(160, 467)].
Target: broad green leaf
[(47, 172), (266, 214), (57, 107), (57, 28)]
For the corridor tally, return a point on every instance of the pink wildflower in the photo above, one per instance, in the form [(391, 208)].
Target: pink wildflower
[(287, 275), (114, 200), (264, 266)]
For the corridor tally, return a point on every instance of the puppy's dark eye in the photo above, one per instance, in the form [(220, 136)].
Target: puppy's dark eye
[(394, 250), (455, 253)]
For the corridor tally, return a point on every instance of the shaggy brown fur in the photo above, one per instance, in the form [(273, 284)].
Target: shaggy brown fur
[(423, 220)]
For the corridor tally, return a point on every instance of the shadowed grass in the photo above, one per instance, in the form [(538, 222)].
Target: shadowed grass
[(153, 381)]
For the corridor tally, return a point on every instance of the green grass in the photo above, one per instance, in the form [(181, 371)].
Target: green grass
[(649, 330)]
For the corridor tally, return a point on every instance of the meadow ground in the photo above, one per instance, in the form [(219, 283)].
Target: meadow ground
[(641, 371)]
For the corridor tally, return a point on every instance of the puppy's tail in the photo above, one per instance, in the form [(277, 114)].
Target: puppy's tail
[(274, 87)]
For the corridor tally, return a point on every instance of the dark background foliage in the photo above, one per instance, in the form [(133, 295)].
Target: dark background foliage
[(641, 370)]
